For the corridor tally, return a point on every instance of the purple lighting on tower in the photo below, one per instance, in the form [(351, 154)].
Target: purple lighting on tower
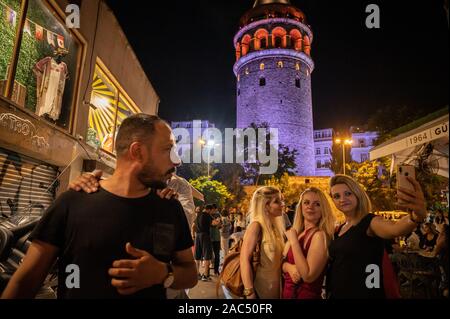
[(273, 69)]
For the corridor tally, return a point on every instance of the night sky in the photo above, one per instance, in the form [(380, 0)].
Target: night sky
[(186, 49)]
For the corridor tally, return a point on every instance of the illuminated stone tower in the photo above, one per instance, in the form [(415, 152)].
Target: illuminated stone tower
[(273, 69)]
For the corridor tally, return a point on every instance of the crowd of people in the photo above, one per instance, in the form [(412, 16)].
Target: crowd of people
[(130, 236)]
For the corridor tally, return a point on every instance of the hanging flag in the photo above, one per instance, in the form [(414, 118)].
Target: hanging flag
[(26, 27), (12, 17), (39, 32), (50, 38), (60, 40)]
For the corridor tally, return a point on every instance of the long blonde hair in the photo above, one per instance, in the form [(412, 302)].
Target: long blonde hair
[(274, 231), (327, 220), (364, 205)]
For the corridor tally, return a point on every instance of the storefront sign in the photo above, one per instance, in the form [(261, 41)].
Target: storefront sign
[(23, 127), (428, 135)]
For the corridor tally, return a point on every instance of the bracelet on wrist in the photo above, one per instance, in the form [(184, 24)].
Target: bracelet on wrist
[(248, 292)]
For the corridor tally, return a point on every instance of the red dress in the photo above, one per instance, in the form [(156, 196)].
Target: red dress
[(302, 290)]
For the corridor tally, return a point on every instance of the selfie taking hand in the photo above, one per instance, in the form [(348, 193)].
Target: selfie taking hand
[(413, 200)]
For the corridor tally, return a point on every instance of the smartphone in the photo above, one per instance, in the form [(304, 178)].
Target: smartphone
[(287, 222), (404, 171)]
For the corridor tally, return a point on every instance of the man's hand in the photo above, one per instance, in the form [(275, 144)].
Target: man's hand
[(413, 200), (132, 275), (167, 193), (88, 182)]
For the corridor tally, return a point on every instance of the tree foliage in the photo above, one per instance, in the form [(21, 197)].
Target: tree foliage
[(214, 191)]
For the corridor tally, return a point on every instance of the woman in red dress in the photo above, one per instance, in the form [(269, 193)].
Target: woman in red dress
[(306, 253)]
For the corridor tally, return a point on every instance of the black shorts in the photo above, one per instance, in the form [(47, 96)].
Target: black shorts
[(203, 247)]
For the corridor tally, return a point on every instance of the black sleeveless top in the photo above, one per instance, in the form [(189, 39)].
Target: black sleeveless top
[(350, 254)]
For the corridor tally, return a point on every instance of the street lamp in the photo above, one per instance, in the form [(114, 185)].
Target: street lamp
[(343, 142), (210, 144)]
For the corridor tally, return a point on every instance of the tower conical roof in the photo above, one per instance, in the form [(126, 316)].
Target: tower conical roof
[(261, 2)]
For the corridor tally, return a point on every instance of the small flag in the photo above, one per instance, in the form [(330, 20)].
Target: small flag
[(39, 32), (50, 38), (60, 40), (26, 27), (10, 16)]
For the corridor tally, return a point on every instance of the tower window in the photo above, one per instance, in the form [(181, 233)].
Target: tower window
[(261, 66), (239, 77), (247, 71), (239, 92), (280, 64), (297, 66), (262, 81), (297, 83)]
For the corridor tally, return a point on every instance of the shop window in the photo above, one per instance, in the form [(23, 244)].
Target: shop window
[(9, 20), (46, 73), (109, 106)]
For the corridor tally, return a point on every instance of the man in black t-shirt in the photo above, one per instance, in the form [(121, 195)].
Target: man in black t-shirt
[(203, 246), (95, 235)]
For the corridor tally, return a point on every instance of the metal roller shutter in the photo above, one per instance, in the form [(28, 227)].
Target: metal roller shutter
[(25, 185)]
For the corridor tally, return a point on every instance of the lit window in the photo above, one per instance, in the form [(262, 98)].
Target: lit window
[(261, 66), (297, 66), (239, 77), (247, 72), (280, 64)]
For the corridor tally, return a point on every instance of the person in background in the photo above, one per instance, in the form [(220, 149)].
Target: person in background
[(203, 246), (215, 237), (428, 241), (225, 232)]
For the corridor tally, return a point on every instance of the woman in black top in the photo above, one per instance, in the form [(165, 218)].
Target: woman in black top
[(356, 253)]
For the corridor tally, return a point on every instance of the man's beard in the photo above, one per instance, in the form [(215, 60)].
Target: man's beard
[(148, 177)]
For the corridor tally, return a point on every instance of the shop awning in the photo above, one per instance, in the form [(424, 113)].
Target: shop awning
[(405, 147)]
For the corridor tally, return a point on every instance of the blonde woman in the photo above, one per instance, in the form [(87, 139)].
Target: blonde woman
[(306, 253), (266, 227), (356, 252)]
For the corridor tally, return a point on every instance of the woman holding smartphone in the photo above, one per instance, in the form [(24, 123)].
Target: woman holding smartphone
[(306, 253), (356, 252)]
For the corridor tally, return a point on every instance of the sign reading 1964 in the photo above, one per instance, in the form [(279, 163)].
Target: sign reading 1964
[(428, 135)]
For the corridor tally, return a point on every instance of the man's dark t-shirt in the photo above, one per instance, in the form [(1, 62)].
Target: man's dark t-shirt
[(91, 231), (204, 221)]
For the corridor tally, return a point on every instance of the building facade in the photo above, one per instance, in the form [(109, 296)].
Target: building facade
[(63, 94), (184, 147), (273, 71), (363, 142), (323, 145)]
